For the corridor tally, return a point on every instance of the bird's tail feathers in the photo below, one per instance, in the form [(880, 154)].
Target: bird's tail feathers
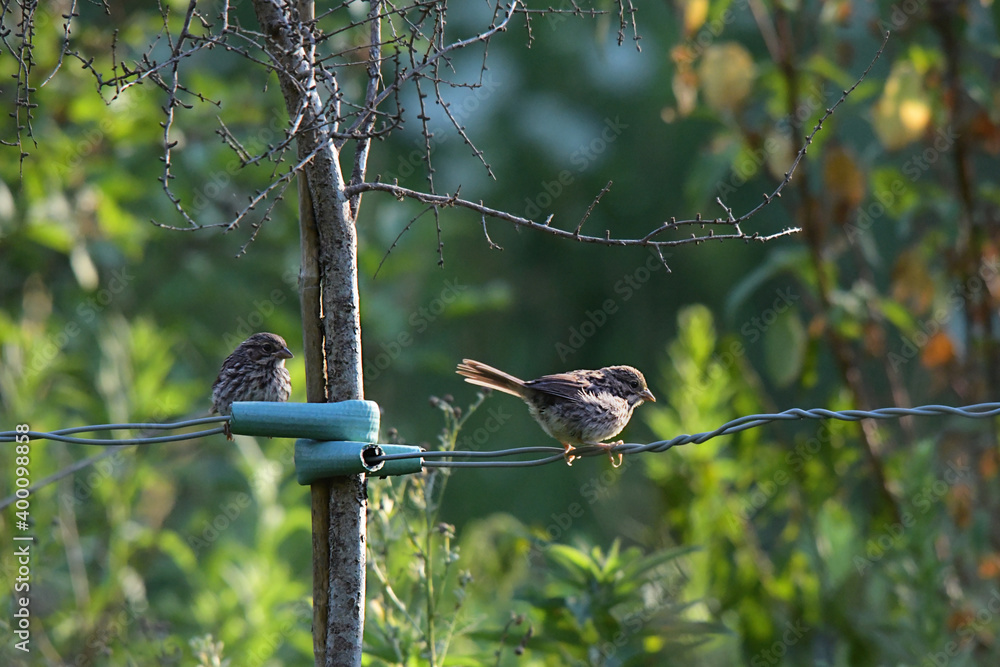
[(484, 375)]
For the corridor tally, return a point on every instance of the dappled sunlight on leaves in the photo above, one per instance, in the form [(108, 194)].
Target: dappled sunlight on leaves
[(903, 112), (726, 74)]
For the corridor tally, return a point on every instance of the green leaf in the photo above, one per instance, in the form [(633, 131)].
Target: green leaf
[(778, 261), (785, 347), (639, 569), (575, 562), (709, 169), (51, 234)]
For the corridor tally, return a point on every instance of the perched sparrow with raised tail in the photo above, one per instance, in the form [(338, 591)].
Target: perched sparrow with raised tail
[(255, 371), (575, 408)]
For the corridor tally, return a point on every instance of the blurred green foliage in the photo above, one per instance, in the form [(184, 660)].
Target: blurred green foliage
[(791, 544)]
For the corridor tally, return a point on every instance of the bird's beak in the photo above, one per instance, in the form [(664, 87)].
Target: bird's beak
[(284, 353), (647, 395)]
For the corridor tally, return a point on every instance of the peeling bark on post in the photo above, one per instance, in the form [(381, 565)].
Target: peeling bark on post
[(339, 506)]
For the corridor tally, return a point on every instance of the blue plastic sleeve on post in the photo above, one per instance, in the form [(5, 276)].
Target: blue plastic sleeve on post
[(316, 460), (353, 421), (334, 439)]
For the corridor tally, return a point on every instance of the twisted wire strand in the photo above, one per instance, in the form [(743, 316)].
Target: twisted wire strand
[(431, 459), (977, 411), (112, 446), (63, 435)]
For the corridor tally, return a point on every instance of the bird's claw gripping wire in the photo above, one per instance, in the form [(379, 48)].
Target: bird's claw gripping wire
[(606, 446)]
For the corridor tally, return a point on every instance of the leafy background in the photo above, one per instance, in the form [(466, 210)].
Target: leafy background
[(796, 543)]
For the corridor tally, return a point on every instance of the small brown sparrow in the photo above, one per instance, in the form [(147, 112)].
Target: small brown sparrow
[(575, 408), (255, 371)]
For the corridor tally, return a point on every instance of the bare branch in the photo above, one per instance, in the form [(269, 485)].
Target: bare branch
[(445, 201), (403, 44), (493, 246), (626, 7), (484, 36), (650, 239), (730, 222), (590, 208), (278, 184), (395, 241), (67, 25), (374, 79), (809, 138), (461, 130)]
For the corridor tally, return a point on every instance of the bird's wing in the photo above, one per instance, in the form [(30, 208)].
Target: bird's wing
[(562, 384)]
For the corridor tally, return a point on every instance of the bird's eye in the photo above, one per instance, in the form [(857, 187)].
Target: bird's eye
[(634, 384), (268, 348)]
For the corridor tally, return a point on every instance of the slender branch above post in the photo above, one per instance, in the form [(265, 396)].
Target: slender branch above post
[(445, 201)]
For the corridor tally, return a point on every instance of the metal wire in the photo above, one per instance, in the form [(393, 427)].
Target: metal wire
[(554, 454), (978, 411), (495, 454), (62, 435)]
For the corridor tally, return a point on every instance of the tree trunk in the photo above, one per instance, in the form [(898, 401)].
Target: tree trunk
[(331, 333)]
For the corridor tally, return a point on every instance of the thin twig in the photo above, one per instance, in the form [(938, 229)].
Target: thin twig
[(493, 246), (451, 200), (395, 241), (604, 190), (374, 79)]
